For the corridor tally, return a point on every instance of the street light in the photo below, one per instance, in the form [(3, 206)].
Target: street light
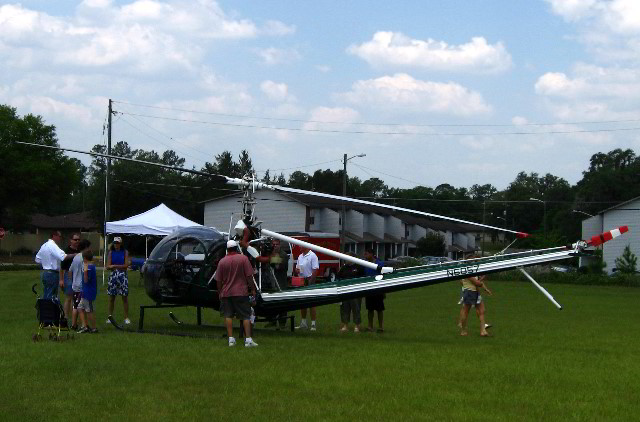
[(344, 193), (544, 216), (582, 212)]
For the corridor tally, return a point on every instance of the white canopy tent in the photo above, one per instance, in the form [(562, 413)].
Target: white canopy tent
[(158, 221)]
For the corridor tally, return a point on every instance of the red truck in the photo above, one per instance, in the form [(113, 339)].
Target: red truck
[(328, 265)]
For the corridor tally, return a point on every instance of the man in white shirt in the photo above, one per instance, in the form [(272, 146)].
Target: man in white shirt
[(49, 257), (307, 267)]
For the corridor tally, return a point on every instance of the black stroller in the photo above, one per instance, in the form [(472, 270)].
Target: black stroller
[(50, 315)]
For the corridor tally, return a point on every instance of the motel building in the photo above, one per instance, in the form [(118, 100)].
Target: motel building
[(388, 232), (623, 214)]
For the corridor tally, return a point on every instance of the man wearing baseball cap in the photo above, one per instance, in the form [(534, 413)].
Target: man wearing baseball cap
[(234, 278)]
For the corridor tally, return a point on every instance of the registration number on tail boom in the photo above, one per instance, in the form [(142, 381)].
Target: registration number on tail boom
[(456, 272)]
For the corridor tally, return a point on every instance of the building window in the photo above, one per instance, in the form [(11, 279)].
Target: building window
[(312, 220)]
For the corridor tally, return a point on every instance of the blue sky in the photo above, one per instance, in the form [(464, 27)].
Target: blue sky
[(439, 92)]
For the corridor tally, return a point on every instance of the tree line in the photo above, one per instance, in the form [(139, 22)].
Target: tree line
[(48, 181)]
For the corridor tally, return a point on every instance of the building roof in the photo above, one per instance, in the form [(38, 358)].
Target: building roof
[(393, 239), (370, 237), (619, 205), (79, 221), (324, 202)]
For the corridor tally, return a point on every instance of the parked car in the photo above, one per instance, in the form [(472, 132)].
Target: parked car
[(430, 260), (563, 269)]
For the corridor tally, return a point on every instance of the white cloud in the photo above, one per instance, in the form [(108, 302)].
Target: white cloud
[(403, 92), (143, 36), (519, 120), (619, 16), (334, 118), (273, 56), (276, 91), (396, 49), (610, 29), (591, 92), (278, 28), (573, 10), (323, 68)]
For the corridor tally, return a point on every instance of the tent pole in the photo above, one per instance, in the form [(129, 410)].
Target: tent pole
[(146, 247)]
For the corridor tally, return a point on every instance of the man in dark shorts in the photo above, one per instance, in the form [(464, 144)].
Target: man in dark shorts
[(234, 278), (374, 302)]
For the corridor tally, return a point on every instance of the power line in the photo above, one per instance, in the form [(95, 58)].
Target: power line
[(386, 174), (246, 116), (154, 138), (169, 137), (366, 132), (298, 167)]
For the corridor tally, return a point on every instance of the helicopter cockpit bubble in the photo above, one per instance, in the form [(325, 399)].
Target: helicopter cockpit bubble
[(180, 266)]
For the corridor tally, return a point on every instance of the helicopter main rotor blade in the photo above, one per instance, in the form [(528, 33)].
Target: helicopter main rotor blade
[(216, 177), (392, 207), (330, 252), (542, 289)]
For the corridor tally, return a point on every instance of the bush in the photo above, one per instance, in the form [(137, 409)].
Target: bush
[(554, 277), (23, 251), (626, 263), (432, 244), (19, 267)]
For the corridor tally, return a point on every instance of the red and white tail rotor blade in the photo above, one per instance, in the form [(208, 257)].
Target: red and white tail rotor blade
[(607, 236)]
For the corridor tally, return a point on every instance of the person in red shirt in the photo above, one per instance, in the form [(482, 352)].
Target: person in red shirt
[(234, 278)]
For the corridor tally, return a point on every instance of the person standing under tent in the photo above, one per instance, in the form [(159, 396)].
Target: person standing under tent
[(49, 257), (374, 302), (118, 262), (307, 267), (66, 275), (234, 281)]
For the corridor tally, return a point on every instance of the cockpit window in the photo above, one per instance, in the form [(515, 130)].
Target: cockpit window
[(205, 238), (162, 249)]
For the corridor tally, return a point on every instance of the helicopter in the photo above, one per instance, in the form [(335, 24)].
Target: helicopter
[(180, 269)]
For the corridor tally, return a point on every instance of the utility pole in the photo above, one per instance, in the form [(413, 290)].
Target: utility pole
[(344, 211), (107, 188), (344, 194), (484, 212), (544, 215)]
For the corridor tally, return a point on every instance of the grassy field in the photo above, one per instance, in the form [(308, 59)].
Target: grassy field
[(580, 363)]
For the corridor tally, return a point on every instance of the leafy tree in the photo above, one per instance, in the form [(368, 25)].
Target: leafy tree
[(226, 166), (482, 192), (627, 262), (280, 180), (611, 178), (373, 187), (33, 179), (300, 180), (526, 216), (266, 178), (432, 244), (595, 263), (245, 167)]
